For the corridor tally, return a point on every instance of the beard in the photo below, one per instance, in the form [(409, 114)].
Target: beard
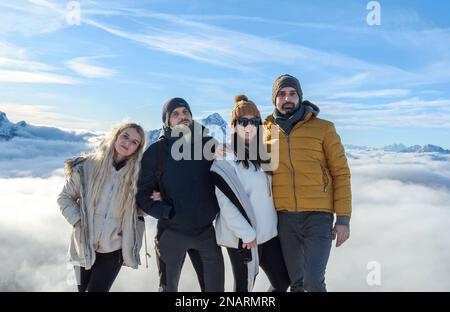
[(288, 108), (185, 122)]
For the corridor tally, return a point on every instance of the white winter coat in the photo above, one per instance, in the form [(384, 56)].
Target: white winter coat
[(72, 202)]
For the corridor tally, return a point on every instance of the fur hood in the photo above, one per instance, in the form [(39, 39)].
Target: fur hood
[(71, 163)]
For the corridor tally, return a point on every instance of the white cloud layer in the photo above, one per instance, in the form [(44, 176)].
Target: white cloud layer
[(34, 253), (400, 220), (35, 157)]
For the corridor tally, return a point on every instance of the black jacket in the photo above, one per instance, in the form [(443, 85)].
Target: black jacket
[(190, 203)]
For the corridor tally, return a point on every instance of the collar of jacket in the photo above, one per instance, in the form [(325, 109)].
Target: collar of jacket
[(288, 122), (224, 169), (310, 111), (71, 163)]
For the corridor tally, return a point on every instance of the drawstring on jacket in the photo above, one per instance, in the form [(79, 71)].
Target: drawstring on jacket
[(147, 255)]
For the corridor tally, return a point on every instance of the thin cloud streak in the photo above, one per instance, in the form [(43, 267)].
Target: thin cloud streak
[(84, 67), (15, 76)]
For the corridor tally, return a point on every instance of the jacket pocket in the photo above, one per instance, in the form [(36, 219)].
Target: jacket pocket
[(78, 241), (325, 178), (140, 230)]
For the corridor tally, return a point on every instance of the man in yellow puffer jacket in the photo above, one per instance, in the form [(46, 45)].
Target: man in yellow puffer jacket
[(310, 184)]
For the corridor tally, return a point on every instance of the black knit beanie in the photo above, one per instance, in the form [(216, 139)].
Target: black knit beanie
[(170, 106)]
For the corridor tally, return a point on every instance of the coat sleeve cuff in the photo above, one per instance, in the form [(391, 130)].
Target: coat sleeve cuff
[(249, 237), (74, 218), (343, 220), (160, 210)]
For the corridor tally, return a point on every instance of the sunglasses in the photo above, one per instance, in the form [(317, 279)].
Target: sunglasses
[(255, 121)]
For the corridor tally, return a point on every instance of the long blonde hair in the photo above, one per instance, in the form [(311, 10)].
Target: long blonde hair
[(103, 162)]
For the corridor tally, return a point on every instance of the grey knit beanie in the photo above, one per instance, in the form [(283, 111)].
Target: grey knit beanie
[(283, 81)]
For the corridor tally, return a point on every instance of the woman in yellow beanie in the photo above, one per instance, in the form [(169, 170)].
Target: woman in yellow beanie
[(247, 221)]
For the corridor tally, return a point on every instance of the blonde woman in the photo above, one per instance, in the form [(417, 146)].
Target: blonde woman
[(98, 200)]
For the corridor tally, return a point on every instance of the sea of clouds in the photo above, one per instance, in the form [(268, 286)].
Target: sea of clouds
[(399, 241)]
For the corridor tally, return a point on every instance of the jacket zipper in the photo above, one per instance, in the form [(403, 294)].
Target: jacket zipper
[(269, 188), (133, 215), (87, 253), (290, 158), (293, 170)]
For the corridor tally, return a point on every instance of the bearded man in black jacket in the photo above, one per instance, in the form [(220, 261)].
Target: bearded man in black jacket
[(176, 187)]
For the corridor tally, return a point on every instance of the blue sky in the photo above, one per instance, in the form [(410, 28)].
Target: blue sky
[(379, 84)]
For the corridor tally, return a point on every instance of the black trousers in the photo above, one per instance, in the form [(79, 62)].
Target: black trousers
[(171, 249), (270, 260), (102, 274)]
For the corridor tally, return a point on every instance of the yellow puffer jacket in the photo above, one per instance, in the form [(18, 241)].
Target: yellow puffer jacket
[(313, 174)]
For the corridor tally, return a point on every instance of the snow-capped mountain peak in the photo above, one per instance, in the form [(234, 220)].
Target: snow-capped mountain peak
[(10, 130), (394, 148), (3, 118), (428, 148), (214, 118), (218, 127), (6, 127)]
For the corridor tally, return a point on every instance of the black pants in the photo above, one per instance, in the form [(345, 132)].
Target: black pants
[(102, 274), (270, 260), (171, 249)]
